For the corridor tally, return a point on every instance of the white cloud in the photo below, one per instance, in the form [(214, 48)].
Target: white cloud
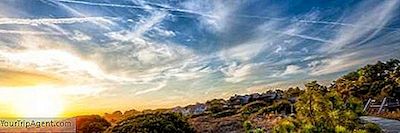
[(142, 26), (214, 14), (369, 19), (245, 51), (292, 69), (57, 61), (269, 35), (163, 32), (25, 32), (157, 88), (79, 36), (48, 21), (105, 24), (236, 72)]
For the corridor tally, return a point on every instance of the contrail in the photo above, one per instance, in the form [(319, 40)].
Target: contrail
[(103, 4), (28, 32), (303, 36), (48, 21), (168, 8), (157, 6), (317, 22)]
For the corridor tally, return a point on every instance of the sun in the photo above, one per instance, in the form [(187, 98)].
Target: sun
[(38, 103)]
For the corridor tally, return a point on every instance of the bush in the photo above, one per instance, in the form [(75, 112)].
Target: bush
[(372, 128), (248, 128), (252, 107), (154, 123), (91, 124), (215, 106), (285, 126), (323, 110), (224, 113)]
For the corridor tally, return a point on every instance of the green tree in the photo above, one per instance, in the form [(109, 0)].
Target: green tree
[(320, 109), (371, 81)]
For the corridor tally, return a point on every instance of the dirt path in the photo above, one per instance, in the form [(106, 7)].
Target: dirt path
[(388, 125)]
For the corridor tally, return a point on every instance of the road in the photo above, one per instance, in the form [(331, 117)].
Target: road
[(388, 125)]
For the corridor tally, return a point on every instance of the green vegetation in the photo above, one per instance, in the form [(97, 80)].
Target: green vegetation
[(248, 127), (372, 81), (154, 123), (336, 108), (320, 109)]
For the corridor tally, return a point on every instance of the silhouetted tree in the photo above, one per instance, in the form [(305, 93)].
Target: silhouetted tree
[(154, 123), (91, 124)]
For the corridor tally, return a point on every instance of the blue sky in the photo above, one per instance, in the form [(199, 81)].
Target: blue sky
[(151, 54)]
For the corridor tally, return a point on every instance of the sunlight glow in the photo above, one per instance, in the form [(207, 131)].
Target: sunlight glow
[(33, 102)]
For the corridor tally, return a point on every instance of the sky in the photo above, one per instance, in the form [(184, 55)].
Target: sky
[(94, 56)]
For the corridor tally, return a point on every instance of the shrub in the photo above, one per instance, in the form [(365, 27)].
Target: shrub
[(372, 128), (224, 113), (248, 128), (91, 124), (154, 122), (323, 110), (285, 126), (252, 107)]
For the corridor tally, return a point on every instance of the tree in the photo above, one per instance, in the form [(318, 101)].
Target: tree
[(371, 81), (215, 105), (292, 92), (320, 109), (91, 124), (154, 123)]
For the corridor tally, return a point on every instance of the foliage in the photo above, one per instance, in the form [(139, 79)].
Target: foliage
[(320, 109), (391, 115), (372, 81), (281, 106), (252, 107), (154, 122), (292, 92), (285, 126), (248, 127), (215, 105), (372, 128), (91, 124), (224, 113)]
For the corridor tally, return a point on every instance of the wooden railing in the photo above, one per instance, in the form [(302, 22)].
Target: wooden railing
[(387, 104)]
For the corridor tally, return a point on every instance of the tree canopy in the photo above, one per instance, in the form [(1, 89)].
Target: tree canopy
[(154, 123), (371, 81)]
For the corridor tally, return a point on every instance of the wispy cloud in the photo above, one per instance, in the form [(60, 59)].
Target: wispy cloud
[(24, 32), (159, 87), (208, 47), (236, 72), (144, 6), (219, 13), (292, 69), (79, 36), (48, 21), (378, 16)]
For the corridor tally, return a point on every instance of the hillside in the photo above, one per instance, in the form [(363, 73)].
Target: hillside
[(316, 108)]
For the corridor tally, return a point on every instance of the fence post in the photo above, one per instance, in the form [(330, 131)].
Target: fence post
[(383, 104), (367, 105)]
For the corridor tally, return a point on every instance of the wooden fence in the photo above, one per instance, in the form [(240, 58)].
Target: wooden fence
[(387, 104)]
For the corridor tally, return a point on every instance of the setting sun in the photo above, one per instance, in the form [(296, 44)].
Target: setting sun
[(34, 102)]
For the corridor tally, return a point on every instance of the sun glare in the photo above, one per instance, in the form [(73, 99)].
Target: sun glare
[(35, 102)]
